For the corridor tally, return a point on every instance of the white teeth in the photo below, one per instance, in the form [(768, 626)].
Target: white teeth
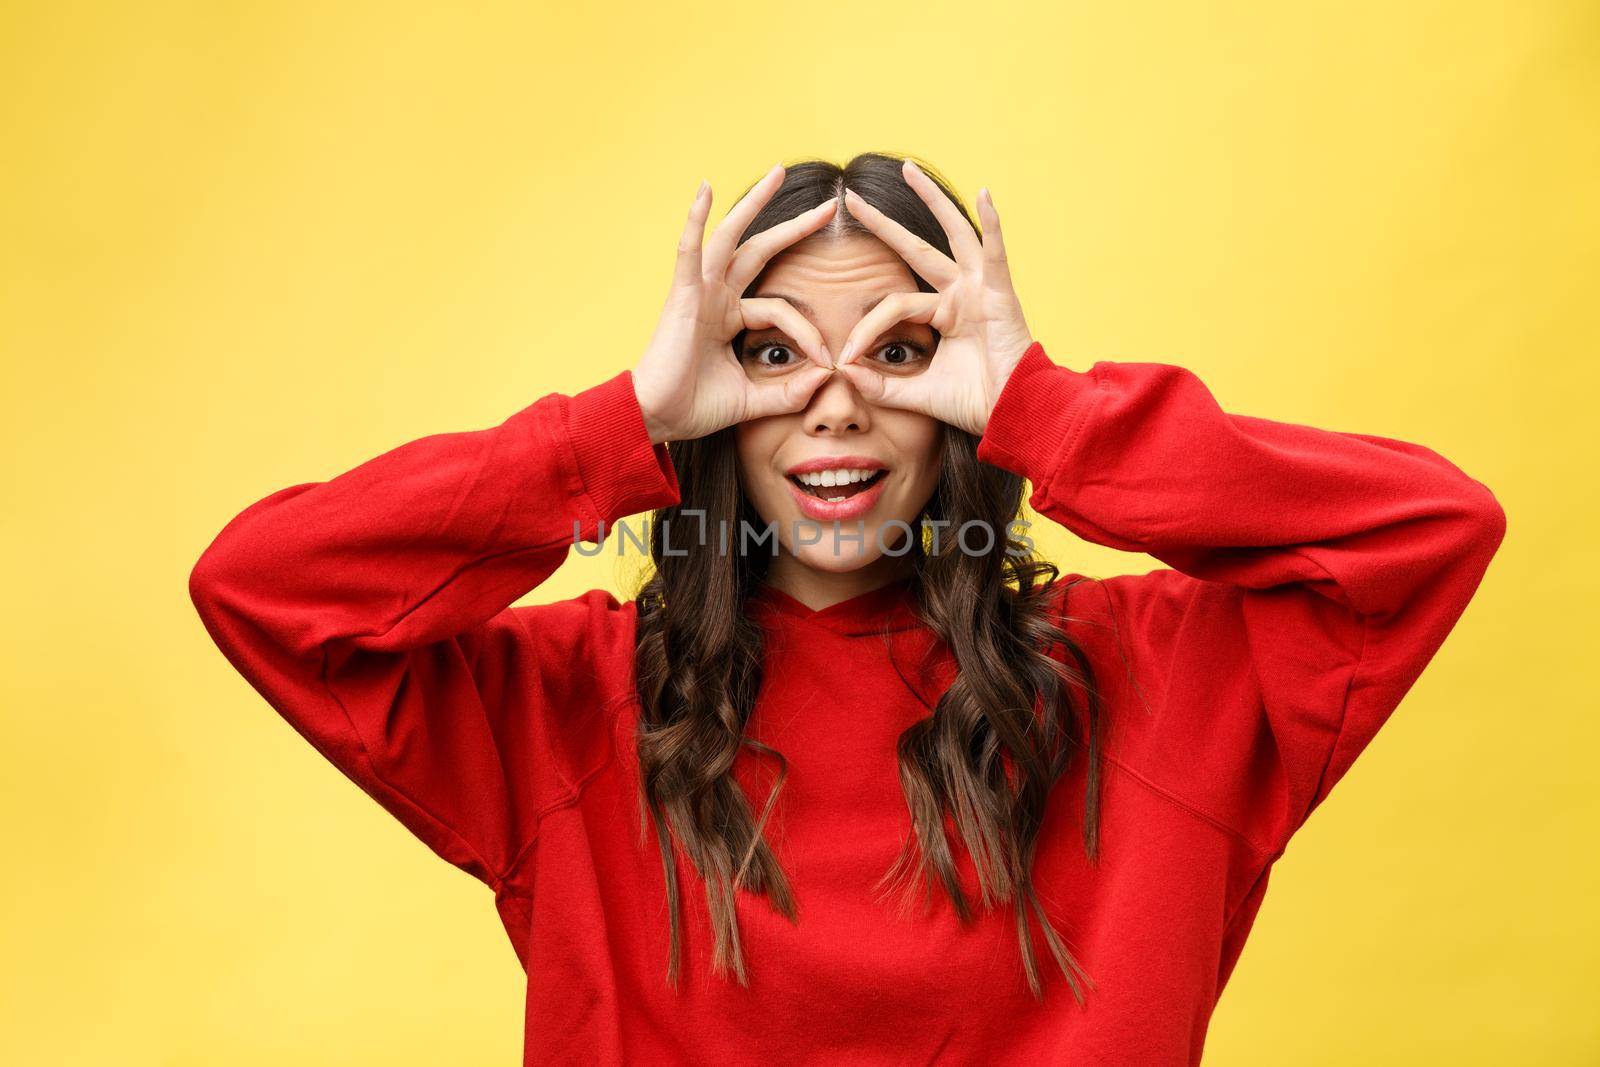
[(842, 476)]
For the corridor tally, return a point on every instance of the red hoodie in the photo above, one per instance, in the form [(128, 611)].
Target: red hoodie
[(1310, 577)]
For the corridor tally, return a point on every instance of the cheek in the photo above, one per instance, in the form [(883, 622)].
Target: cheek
[(756, 443), (920, 441)]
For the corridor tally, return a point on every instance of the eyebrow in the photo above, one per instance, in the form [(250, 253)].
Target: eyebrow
[(810, 312)]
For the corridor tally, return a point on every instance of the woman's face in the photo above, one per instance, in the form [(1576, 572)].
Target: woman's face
[(883, 462)]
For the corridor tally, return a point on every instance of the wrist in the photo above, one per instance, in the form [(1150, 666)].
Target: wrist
[(997, 382), (620, 469), (659, 434), (1037, 414)]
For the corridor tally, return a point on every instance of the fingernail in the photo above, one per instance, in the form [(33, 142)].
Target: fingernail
[(844, 355)]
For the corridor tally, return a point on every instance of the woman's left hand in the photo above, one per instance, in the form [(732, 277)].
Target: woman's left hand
[(982, 332)]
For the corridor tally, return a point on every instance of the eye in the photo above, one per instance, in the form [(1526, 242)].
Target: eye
[(902, 353), (772, 354)]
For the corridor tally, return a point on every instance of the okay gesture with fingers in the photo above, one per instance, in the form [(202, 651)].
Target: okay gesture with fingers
[(982, 332), (689, 382)]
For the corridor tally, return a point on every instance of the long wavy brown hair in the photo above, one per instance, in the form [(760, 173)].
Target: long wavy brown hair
[(988, 752)]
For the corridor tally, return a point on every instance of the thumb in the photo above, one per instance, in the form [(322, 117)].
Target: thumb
[(785, 395), (868, 382), (879, 388)]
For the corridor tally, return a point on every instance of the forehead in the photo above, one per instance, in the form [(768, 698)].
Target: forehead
[(824, 269)]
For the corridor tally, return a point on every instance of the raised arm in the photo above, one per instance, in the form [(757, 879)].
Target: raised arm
[(373, 612), (1314, 573)]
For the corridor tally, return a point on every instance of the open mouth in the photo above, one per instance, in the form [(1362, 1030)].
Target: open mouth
[(845, 484)]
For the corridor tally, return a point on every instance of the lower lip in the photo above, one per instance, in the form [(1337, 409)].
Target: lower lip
[(851, 507)]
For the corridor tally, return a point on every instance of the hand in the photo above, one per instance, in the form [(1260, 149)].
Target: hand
[(689, 382), (982, 332)]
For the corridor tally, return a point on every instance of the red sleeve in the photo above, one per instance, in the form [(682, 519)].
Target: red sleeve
[(1313, 574), (373, 612)]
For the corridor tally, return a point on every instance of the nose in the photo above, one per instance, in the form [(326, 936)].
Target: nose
[(836, 407)]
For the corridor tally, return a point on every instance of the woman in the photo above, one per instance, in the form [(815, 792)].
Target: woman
[(704, 811)]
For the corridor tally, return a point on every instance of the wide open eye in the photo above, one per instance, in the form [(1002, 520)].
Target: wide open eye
[(901, 355), (771, 357)]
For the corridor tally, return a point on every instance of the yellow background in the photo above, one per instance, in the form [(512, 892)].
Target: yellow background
[(246, 246)]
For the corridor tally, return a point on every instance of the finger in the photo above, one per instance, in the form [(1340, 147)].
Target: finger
[(760, 312), (719, 249), (939, 269), (956, 227), (912, 394), (785, 395), (892, 309), (752, 256), (996, 267), (686, 271)]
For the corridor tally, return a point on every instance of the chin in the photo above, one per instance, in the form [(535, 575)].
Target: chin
[(850, 556), (878, 545)]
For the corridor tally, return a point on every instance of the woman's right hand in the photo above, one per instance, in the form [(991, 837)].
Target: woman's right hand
[(690, 382)]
